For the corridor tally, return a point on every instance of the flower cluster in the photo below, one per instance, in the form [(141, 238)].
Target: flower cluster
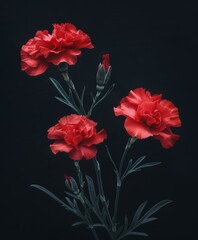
[(76, 134)]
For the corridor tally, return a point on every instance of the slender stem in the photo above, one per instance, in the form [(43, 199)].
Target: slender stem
[(130, 141), (78, 98), (116, 201), (101, 191), (80, 177), (94, 233), (93, 104), (87, 213), (111, 159), (98, 176), (72, 87)]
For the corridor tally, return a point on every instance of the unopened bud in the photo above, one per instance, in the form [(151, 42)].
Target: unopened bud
[(103, 73), (71, 184), (100, 77)]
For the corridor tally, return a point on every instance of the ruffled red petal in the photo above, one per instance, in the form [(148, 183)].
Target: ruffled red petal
[(137, 129)]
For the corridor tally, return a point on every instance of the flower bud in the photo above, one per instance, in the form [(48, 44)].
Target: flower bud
[(103, 73), (71, 184)]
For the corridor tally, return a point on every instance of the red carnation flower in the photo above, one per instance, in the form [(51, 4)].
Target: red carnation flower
[(148, 115), (76, 135), (63, 45)]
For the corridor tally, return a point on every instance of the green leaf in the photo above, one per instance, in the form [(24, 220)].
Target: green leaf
[(138, 234), (72, 99), (134, 167), (69, 202), (75, 204), (146, 165), (111, 159), (45, 190), (92, 191), (68, 104), (82, 95), (138, 213), (118, 231), (126, 222), (149, 220), (105, 95), (99, 225), (128, 168), (59, 88), (132, 233), (78, 223), (155, 208), (72, 195), (131, 166), (92, 96), (138, 161), (67, 99)]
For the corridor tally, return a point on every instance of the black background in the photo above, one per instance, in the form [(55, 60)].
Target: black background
[(150, 46)]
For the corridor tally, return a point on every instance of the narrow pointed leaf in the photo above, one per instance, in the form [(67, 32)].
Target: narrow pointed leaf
[(72, 195), (126, 172), (111, 159), (138, 234), (92, 97), (98, 225), (146, 165), (91, 189), (138, 213), (72, 99), (155, 208), (82, 95), (59, 88), (69, 202), (52, 195), (68, 104), (119, 230), (138, 161), (148, 220), (78, 223), (105, 95), (126, 222)]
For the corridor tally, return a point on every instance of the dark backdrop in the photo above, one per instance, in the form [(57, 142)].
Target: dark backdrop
[(151, 47)]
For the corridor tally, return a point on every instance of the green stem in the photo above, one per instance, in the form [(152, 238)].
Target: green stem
[(130, 141), (118, 187), (72, 87), (94, 233), (93, 104), (87, 213), (101, 192), (98, 176)]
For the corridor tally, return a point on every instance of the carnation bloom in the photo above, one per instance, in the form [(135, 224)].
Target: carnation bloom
[(149, 116), (76, 135), (63, 45)]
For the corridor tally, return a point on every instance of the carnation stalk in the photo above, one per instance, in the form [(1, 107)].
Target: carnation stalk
[(80, 179), (101, 191), (64, 73), (96, 163), (93, 103), (130, 141)]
